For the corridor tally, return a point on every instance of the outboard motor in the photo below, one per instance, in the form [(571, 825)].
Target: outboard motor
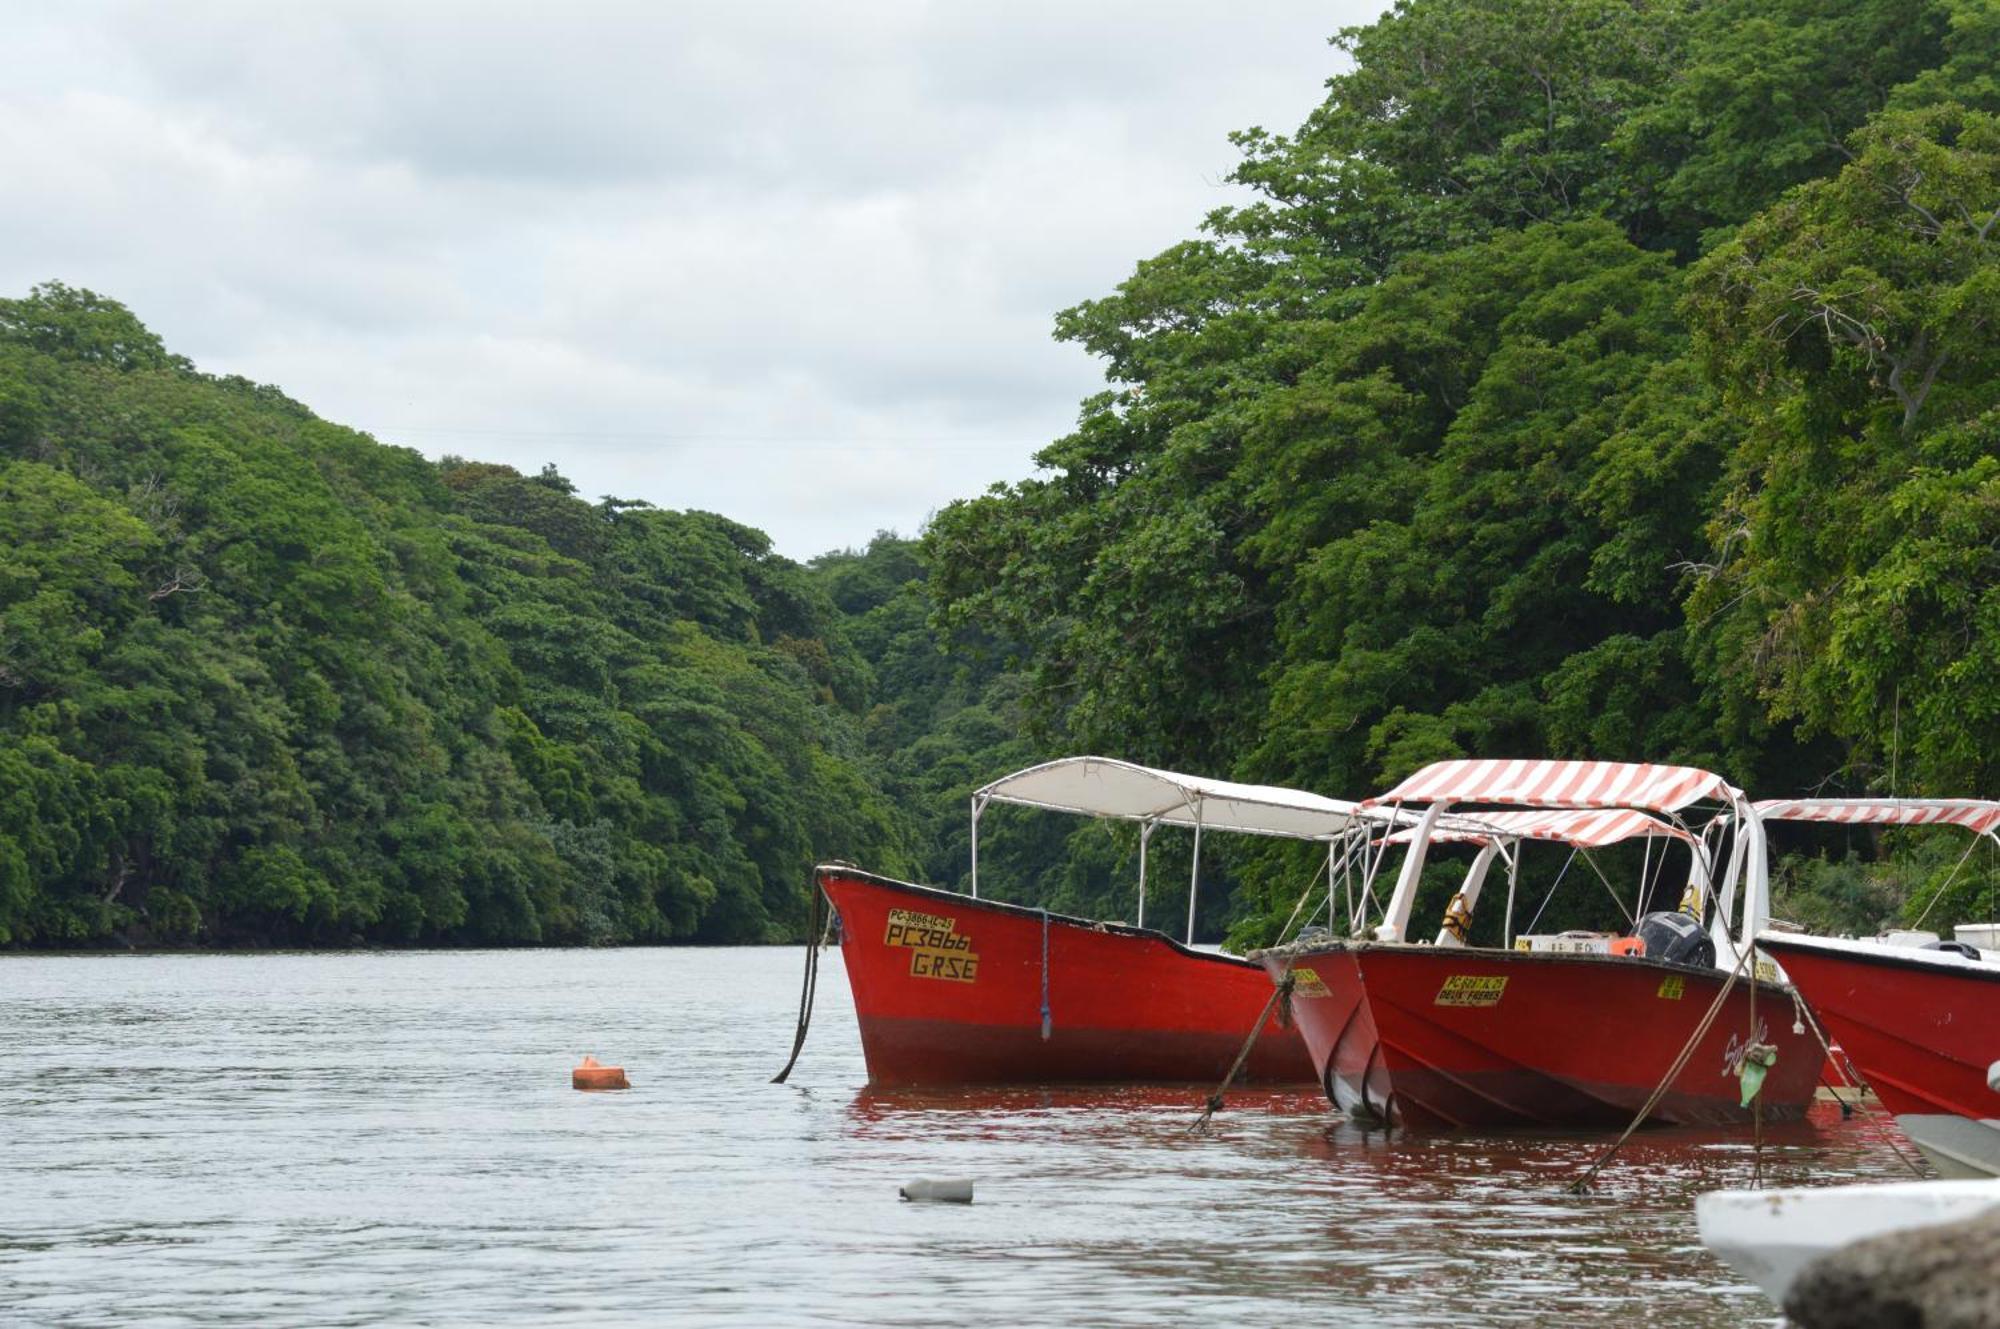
[(1677, 938)]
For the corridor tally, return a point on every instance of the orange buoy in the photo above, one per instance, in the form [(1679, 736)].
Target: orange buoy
[(590, 1075)]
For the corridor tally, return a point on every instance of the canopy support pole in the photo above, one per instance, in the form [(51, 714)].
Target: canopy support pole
[(1513, 879), (1194, 876), (978, 806), (1397, 919), (1145, 835)]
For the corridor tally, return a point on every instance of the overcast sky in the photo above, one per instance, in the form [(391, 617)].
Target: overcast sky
[(792, 262)]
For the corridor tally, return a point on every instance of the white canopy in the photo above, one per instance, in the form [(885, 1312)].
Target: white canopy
[(1124, 791), (1106, 787)]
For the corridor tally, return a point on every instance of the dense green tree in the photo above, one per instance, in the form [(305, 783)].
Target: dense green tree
[(1855, 327), (264, 679), (1583, 377), (1439, 447)]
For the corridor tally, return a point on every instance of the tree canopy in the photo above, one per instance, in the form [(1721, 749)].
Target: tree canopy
[(1582, 378)]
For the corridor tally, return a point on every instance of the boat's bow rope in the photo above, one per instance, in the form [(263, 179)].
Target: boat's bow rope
[(819, 921), (1281, 992)]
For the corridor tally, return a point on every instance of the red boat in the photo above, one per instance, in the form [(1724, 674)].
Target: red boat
[(1922, 1026), (1568, 1030), (952, 989)]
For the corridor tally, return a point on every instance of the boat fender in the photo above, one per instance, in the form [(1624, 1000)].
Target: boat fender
[(1993, 1077), (1677, 938), (593, 1076), (941, 1190)]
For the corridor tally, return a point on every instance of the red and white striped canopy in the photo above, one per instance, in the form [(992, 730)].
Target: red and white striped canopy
[(1559, 784), (1980, 816), (1585, 829)]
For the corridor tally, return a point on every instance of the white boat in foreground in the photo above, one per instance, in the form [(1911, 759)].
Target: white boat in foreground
[(1770, 1236)]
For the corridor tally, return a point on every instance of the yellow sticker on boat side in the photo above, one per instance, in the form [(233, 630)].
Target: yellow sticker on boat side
[(1672, 987), (1471, 990), (937, 948), (1308, 983)]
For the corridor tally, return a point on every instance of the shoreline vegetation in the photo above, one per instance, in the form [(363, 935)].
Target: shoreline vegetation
[(1586, 378)]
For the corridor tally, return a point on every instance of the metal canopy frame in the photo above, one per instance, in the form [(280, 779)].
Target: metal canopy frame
[(1457, 794), (1110, 789)]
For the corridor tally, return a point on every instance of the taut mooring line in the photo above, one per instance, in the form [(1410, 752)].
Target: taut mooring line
[(1281, 992)]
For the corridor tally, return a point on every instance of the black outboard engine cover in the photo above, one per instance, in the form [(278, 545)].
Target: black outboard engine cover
[(1677, 938)]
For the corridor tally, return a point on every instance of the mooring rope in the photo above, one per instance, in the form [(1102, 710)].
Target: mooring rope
[(1847, 1110), (1939, 893), (1282, 991), (818, 923), (1311, 886), (1582, 1183), (1750, 1040), (1047, 1021), (1563, 872)]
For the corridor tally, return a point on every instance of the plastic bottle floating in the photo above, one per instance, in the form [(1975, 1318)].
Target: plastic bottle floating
[(592, 1076)]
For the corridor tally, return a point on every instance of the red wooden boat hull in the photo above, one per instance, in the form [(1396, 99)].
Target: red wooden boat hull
[(1433, 1038), (1922, 1031), (950, 990)]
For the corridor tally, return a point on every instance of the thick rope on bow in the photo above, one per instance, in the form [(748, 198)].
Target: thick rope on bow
[(1282, 992), (819, 922), (1582, 1183), (1806, 1020)]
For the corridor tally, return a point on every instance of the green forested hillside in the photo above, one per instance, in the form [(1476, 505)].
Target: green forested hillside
[(1590, 378), (264, 679), (1586, 378)]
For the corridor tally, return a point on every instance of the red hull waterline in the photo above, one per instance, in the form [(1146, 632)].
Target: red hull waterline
[(1924, 1031), (1436, 1038), (952, 990)]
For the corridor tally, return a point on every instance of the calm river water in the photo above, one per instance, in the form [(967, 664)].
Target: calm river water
[(392, 1139)]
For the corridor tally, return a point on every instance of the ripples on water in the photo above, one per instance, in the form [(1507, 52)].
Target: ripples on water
[(391, 1138)]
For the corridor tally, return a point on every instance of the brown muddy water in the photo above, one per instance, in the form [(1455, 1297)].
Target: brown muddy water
[(391, 1139)]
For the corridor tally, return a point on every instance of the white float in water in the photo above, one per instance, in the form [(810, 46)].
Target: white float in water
[(945, 1190)]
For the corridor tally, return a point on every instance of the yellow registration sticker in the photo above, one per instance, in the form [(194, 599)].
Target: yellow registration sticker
[(1307, 983), (1672, 987), (937, 948), (1471, 990)]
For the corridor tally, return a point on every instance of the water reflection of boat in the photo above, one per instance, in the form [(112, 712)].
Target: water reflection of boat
[(1922, 1025), (1559, 1030), (955, 989), (973, 1100)]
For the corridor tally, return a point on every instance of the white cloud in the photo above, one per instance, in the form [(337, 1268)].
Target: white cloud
[(791, 262)]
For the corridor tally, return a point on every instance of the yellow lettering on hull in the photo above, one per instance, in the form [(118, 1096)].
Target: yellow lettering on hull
[(936, 947), (1471, 990)]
